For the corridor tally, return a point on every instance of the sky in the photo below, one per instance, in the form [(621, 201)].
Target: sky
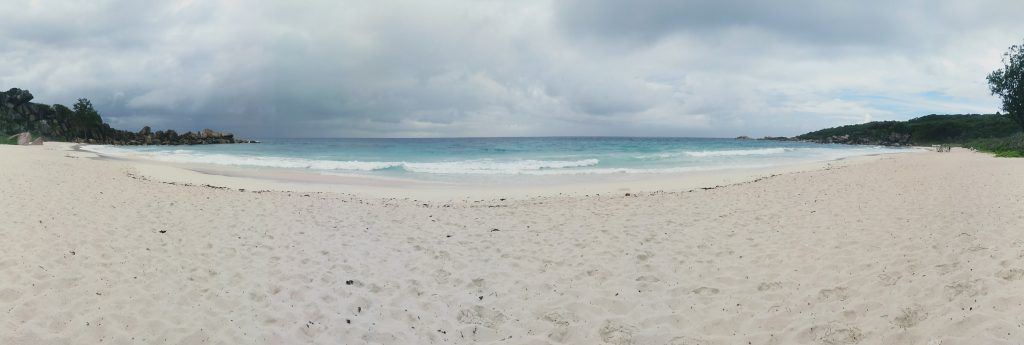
[(448, 68)]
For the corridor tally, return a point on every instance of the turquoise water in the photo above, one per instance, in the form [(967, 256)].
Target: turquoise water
[(459, 158)]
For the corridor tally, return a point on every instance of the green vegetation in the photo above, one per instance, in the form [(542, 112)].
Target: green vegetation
[(925, 130), (82, 123), (996, 133), (870, 129), (1012, 146), (1008, 83)]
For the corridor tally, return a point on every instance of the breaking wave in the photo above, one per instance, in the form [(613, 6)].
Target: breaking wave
[(714, 153), (767, 151), (481, 166)]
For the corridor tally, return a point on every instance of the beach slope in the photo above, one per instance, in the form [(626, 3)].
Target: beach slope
[(918, 248)]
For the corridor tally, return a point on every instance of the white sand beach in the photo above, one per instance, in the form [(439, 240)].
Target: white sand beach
[(914, 248)]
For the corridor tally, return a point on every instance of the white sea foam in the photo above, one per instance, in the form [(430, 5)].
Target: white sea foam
[(610, 171), (495, 167), (492, 167), (482, 166), (186, 156), (715, 153), (752, 152)]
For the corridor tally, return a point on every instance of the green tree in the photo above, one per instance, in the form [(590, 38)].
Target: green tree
[(62, 112), (85, 121), (1008, 83), (86, 113)]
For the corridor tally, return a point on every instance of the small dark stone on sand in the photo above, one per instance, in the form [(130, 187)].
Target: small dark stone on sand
[(350, 282)]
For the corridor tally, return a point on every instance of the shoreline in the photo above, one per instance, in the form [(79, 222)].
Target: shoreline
[(295, 180), (915, 248)]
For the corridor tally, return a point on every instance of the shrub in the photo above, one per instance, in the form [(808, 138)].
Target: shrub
[(1012, 146)]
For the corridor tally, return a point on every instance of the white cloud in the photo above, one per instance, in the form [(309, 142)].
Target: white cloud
[(495, 68)]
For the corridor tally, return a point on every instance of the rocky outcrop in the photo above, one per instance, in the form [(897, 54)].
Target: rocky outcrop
[(892, 139), (84, 125), (25, 138), (146, 136), (778, 139)]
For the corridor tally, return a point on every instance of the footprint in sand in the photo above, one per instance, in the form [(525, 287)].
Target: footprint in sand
[(947, 268), (765, 286), (889, 279), (644, 256), (442, 276), (687, 341), (1011, 274), (479, 315), (705, 291), (560, 321), (910, 317), (964, 288), (835, 294), (617, 333), (476, 283), (835, 334), (648, 279)]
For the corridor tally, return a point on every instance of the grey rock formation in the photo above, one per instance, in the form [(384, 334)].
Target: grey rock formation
[(57, 122)]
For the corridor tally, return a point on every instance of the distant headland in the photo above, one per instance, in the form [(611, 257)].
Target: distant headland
[(82, 124), (958, 129)]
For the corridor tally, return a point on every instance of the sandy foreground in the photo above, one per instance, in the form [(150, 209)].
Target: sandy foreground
[(916, 248)]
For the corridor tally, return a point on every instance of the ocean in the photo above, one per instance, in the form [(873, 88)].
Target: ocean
[(461, 159)]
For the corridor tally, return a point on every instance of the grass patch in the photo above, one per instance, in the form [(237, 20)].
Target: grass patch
[(6, 140), (1012, 146), (1009, 154)]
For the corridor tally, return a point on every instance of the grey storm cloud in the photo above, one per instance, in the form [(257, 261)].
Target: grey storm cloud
[(828, 23), (506, 68)]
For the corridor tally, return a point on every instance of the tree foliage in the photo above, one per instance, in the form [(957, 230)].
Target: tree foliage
[(930, 129), (1008, 83), (85, 113), (1012, 146)]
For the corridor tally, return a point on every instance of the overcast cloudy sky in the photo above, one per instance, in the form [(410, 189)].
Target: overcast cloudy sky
[(507, 68)]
